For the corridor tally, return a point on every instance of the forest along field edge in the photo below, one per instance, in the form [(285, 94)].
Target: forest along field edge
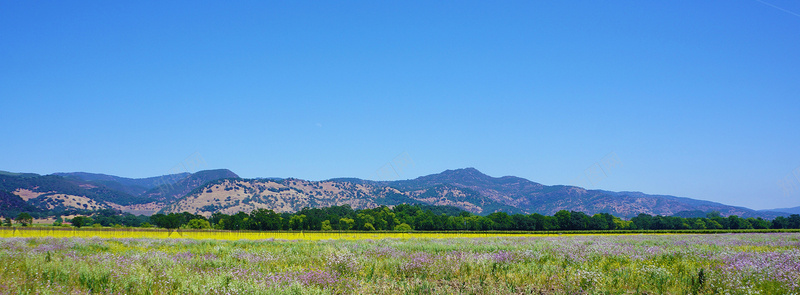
[(130, 233), (746, 263), (406, 217)]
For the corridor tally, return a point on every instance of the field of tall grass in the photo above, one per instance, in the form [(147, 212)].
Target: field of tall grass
[(753, 263)]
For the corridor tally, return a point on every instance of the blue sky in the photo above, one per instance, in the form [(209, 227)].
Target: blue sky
[(697, 99)]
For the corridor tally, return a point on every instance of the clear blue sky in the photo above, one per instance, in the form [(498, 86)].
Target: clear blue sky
[(698, 99)]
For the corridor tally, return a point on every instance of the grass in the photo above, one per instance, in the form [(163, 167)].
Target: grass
[(751, 263), (114, 233), (111, 233)]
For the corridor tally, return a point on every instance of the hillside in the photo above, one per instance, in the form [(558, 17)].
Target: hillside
[(6, 173), (35, 186), (289, 195), (169, 192), (133, 186), (468, 189), (793, 210), (11, 204), (90, 191), (206, 192)]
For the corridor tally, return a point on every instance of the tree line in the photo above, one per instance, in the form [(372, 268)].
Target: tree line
[(103, 218), (445, 218), (407, 217)]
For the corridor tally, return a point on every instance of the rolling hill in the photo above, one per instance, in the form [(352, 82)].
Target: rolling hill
[(206, 192), (468, 189), (793, 210), (168, 192), (33, 187), (13, 204), (133, 186), (90, 191)]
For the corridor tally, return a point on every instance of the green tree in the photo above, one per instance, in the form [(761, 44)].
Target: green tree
[(699, 224), (579, 220), (326, 225), (25, 219), (734, 222), (563, 219), (8, 222), (297, 221), (599, 222), (712, 224), (758, 223), (131, 220), (472, 222), (542, 222), (170, 221), (364, 218), (369, 227), (346, 223), (58, 221), (502, 221), (425, 221), (263, 219), (403, 227), (793, 221), (643, 221), (80, 221), (621, 224), (238, 221), (523, 222), (198, 224)]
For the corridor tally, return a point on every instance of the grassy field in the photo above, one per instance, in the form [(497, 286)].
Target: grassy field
[(747, 263), (111, 233), (115, 233)]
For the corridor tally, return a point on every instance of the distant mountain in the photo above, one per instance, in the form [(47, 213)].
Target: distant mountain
[(206, 192), (533, 197), (691, 214), (468, 189), (12, 204), (793, 210), (169, 192), (91, 191), (34, 187), (289, 195), (133, 186), (6, 173)]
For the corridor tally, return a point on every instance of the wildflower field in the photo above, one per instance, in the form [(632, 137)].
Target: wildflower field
[(746, 263), (113, 233)]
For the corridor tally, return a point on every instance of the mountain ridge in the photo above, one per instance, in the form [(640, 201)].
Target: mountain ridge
[(134, 186), (466, 188), (221, 190), (791, 210), (66, 193)]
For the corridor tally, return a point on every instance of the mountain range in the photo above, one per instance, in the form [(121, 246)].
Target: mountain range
[(793, 210), (210, 191)]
